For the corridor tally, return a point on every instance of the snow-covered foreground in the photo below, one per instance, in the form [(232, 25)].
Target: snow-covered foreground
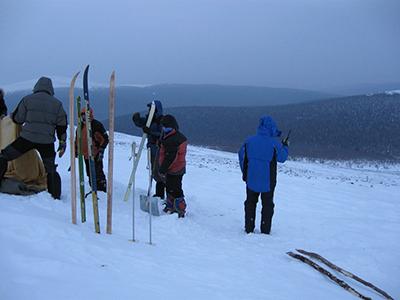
[(352, 217)]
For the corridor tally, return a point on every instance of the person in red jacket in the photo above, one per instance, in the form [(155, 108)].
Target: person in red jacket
[(99, 142), (172, 161)]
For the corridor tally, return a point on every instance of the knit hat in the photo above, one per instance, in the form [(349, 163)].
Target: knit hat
[(170, 122)]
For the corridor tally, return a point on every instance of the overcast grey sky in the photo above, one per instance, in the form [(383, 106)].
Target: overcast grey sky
[(288, 43)]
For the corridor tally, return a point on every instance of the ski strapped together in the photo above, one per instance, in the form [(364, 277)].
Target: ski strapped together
[(72, 148), (80, 160), (90, 150), (111, 108), (137, 155), (344, 272), (328, 274), (338, 281)]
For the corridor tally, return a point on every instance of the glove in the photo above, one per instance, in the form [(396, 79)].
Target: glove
[(135, 117), (162, 174), (100, 155), (285, 142), (61, 148), (163, 177), (146, 130)]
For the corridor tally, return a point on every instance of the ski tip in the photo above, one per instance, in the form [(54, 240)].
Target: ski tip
[(85, 73), (112, 78)]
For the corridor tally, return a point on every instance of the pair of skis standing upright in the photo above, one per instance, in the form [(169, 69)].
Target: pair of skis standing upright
[(135, 156), (90, 150)]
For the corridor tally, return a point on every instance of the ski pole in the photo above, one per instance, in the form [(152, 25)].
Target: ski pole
[(149, 190), (133, 192)]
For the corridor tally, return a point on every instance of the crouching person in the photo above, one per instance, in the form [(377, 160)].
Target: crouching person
[(41, 116), (99, 141), (258, 158), (172, 161), (3, 106)]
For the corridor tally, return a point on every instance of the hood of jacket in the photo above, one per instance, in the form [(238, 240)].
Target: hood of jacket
[(44, 84), (159, 108), (267, 126), (169, 121)]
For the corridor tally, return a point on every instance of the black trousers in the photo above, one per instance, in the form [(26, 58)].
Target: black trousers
[(267, 211), (174, 186), (175, 198), (47, 153)]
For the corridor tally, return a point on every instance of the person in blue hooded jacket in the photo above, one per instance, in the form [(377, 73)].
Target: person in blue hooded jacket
[(153, 138), (258, 159)]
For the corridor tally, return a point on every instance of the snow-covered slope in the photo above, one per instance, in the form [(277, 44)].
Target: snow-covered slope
[(393, 92), (350, 216)]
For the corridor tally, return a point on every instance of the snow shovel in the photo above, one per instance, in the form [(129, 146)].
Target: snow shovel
[(156, 204)]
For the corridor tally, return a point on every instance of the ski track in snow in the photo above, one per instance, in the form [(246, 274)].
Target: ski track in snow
[(350, 216)]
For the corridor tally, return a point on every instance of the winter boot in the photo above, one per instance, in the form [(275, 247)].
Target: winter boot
[(54, 185), (265, 226), (169, 205), (180, 206), (249, 225), (3, 167), (249, 216), (102, 185)]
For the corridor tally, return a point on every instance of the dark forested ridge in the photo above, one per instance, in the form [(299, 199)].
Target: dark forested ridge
[(130, 98), (358, 127)]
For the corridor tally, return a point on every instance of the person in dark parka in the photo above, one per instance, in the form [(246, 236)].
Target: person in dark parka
[(258, 159), (153, 136), (41, 116), (172, 162), (3, 107)]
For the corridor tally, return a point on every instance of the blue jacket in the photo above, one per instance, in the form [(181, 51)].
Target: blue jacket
[(259, 154), (155, 126)]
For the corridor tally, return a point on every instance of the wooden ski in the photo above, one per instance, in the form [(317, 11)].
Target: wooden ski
[(344, 272), (72, 147), (139, 153), (328, 274), (111, 109)]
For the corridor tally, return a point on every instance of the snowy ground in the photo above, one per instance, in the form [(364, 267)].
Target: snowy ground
[(350, 216)]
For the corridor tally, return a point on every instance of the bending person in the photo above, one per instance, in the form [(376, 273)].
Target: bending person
[(42, 116)]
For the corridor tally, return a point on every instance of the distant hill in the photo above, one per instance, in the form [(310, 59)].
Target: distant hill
[(131, 98), (363, 89), (358, 127)]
